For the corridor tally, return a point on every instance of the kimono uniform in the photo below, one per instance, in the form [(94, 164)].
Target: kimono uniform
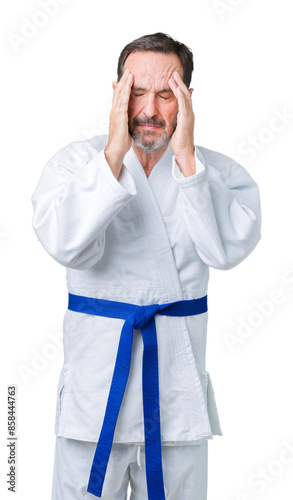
[(141, 240)]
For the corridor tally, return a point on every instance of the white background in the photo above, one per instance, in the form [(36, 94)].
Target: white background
[(56, 88)]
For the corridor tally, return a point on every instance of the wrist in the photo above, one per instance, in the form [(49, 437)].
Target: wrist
[(186, 163), (114, 160)]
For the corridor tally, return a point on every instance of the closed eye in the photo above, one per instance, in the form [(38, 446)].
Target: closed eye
[(161, 96)]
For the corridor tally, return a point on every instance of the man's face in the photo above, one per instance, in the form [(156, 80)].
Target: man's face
[(153, 107)]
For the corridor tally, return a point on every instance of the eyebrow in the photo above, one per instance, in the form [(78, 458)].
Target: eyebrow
[(141, 89)]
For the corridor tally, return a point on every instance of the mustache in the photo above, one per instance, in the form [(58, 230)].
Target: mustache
[(148, 121)]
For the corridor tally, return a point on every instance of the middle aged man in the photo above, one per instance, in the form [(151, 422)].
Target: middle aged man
[(137, 218)]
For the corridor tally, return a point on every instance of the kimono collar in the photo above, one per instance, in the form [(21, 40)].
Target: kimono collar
[(161, 172)]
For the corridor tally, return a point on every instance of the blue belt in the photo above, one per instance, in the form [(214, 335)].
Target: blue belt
[(136, 317)]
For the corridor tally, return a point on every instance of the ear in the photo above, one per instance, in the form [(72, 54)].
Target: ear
[(114, 85), (190, 91)]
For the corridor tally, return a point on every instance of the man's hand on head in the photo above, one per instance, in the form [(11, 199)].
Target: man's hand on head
[(182, 141), (119, 141)]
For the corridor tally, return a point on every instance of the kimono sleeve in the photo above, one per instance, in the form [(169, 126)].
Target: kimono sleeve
[(75, 200), (221, 209)]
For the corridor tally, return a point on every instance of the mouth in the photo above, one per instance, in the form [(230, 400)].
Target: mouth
[(150, 127)]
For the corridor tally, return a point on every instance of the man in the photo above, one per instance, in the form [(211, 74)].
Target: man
[(137, 218)]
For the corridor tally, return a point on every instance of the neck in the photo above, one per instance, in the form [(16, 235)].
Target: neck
[(148, 161)]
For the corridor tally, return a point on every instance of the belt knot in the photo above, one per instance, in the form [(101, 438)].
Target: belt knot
[(142, 315)]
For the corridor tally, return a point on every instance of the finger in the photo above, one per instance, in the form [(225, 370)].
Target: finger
[(127, 84), (125, 94), (121, 100), (184, 102), (180, 83), (125, 74), (123, 86), (123, 78), (174, 87), (185, 94), (181, 97)]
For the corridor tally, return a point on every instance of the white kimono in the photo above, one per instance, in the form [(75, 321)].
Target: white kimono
[(143, 241)]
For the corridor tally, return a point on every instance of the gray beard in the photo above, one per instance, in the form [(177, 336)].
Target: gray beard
[(157, 143), (150, 146)]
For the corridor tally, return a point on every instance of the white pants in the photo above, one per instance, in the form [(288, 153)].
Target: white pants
[(184, 471)]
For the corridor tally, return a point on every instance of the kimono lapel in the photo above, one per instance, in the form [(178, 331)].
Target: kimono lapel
[(149, 191), (161, 175)]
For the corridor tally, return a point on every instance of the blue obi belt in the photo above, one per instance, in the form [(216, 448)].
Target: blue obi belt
[(143, 318)]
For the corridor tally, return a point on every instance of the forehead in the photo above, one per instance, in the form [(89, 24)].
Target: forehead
[(153, 69)]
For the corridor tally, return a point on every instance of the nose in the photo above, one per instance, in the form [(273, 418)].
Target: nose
[(150, 108)]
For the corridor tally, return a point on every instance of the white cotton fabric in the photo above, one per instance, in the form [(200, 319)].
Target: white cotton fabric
[(141, 240), (185, 470)]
